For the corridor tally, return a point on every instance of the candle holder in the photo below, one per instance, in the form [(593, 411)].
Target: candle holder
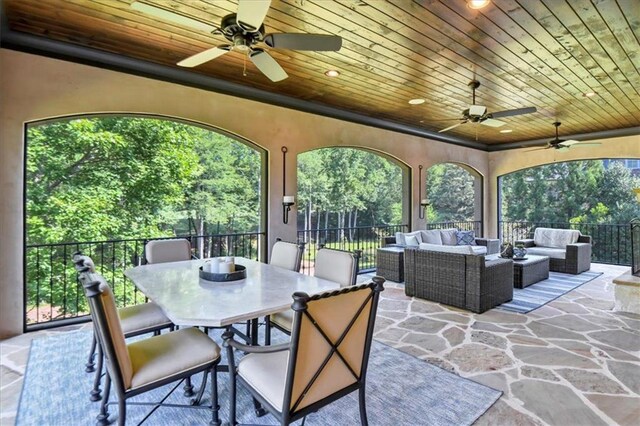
[(287, 200), (424, 202)]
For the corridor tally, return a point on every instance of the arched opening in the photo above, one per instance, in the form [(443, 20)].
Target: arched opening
[(455, 197), (349, 199), (106, 184), (594, 196)]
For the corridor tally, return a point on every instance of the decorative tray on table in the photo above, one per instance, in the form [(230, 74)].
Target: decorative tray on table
[(239, 274)]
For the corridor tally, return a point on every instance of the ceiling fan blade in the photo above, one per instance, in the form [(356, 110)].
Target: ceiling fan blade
[(477, 110), (202, 57), (451, 127), (563, 148), (569, 142), (492, 123), (537, 149), (267, 65), (512, 112), (251, 13), (581, 144), (316, 42), (167, 15)]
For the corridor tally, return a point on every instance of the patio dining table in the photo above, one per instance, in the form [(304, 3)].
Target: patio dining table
[(188, 300)]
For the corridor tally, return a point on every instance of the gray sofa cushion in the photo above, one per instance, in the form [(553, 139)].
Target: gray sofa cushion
[(449, 236), (558, 238), (400, 237), (432, 236)]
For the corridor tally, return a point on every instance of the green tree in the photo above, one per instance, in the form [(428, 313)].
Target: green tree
[(451, 193)]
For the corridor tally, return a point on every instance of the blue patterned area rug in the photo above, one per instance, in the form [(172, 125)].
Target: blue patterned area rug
[(401, 390), (532, 297)]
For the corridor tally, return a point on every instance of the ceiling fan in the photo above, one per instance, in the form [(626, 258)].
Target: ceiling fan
[(563, 145), (244, 30), (479, 114)]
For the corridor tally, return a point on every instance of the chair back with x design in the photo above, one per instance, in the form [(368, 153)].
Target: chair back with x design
[(330, 345)]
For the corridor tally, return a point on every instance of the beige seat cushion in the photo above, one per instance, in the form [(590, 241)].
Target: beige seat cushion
[(335, 265), (554, 253), (447, 249), (266, 373), (162, 251), (283, 319), (285, 255), (142, 317), (162, 356)]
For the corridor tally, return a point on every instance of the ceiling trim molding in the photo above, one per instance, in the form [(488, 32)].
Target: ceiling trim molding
[(28, 43), (605, 134)]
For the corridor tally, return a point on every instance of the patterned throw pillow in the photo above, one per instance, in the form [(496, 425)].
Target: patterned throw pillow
[(465, 238)]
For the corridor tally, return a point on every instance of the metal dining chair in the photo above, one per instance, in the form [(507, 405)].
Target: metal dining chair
[(325, 360), (150, 363), (334, 265), (134, 321)]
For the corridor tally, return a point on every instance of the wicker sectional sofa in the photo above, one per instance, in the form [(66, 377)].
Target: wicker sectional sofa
[(568, 250), (466, 281)]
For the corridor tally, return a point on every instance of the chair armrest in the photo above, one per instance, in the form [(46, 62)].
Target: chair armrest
[(492, 244), (230, 342), (585, 239), (527, 242)]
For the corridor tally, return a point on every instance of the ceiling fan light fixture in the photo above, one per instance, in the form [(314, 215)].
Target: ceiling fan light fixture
[(332, 73), (589, 94), (416, 101), (506, 131), (477, 4)]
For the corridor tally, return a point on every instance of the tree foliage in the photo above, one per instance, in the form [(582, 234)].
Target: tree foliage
[(576, 192), (451, 194), (345, 187)]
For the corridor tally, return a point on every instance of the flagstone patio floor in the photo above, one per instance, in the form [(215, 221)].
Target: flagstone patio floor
[(574, 361)]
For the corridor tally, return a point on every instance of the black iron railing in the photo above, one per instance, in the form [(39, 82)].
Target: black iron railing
[(367, 239), (635, 247), (611, 242), (52, 290), (474, 225)]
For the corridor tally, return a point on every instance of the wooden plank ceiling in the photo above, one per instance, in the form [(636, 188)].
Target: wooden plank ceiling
[(542, 53)]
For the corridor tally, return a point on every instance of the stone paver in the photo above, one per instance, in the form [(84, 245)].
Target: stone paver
[(591, 381), (623, 410), (628, 373), (475, 358)]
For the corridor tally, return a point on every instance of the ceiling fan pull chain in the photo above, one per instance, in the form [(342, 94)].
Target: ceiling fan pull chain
[(244, 65)]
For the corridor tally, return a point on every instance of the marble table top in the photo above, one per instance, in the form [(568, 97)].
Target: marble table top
[(189, 300)]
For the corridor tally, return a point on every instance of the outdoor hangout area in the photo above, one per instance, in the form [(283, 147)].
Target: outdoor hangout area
[(319, 212)]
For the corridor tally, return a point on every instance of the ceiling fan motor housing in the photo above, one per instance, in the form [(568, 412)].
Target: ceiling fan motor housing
[(240, 37)]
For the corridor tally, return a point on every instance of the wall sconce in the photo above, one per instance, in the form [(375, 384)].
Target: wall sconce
[(423, 202), (287, 200)]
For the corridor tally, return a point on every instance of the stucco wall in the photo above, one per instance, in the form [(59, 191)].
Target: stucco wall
[(35, 87)]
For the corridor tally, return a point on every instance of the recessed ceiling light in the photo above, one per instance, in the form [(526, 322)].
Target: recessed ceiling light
[(332, 73), (477, 4), (416, 101), (589, 94), (506, 131)]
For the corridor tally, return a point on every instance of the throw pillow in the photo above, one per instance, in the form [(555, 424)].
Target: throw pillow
[(411, 240), (400, 239), (465, 238)]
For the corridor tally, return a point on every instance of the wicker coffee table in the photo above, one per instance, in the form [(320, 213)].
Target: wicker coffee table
[(390, 263), (530, 270)]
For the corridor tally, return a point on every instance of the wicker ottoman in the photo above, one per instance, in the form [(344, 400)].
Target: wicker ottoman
[(390, 263), (529, 271)]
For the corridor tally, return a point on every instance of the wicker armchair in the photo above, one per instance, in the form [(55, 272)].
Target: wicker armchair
[(573, 259), (462, 280)]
